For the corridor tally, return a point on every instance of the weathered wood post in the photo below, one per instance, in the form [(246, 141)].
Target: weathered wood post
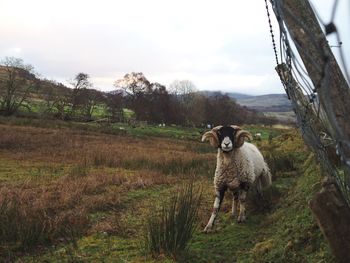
[(321, 65), (328, 206)]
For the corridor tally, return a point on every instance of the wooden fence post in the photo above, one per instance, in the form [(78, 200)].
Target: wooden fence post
[(328, 206), (333, 216), (321, 66)]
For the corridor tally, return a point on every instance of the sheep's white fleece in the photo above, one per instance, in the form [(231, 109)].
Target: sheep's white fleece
[(242, 165)]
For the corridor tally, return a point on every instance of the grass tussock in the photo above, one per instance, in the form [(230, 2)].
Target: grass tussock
[(27, 222), (32, 214), (39, 213), (169, 231)]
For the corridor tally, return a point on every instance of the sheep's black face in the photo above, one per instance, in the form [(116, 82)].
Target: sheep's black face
[(226, 138)]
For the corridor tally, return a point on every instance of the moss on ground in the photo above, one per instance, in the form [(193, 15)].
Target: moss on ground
[(290, 233)]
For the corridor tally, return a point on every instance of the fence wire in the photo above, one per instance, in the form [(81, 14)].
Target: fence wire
[(316, 126)]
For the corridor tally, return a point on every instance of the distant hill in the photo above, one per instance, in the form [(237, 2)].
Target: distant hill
[(267, 103), (234, 95), (118, 92), (261, 103), (273, 105)]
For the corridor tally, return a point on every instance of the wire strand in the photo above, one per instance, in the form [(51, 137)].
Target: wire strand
[(314, 117)]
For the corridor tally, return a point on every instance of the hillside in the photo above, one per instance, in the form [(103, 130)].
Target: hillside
[(272, 105), (52, 99), (261, 103), (95, 191), (267, 103), (234, 95)]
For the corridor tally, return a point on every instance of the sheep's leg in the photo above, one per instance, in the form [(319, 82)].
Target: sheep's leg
[(242, 201), (219, 196), (235, 205)]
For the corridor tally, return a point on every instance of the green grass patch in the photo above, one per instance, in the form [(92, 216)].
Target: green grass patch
[(95, 248), (230, 241), (157, 131), (176, 132), (290, 234), (18, 170), (265, 132)]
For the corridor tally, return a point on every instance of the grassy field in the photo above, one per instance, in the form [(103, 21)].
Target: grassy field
[(77, 193), (176, 132), (288, 116)]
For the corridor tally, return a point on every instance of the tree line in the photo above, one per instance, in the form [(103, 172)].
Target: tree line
[(181, 103)]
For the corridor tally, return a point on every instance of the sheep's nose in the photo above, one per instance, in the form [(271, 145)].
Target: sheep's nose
[(226, 143)]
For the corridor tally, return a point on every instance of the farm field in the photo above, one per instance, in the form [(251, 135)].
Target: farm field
[(72, 194)]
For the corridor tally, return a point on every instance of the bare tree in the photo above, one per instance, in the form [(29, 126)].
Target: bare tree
[(17, 80), (182, 87), (90, 98), (115, 102), (138, 88), (184, 92), (57, 98), (159, 104), (80, 83), (133, 83)]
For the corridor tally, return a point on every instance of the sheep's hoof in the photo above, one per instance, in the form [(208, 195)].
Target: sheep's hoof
[(207, 229), (241, 219)]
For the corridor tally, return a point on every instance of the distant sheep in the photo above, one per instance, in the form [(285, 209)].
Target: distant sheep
[(239, 166), (257, 136)]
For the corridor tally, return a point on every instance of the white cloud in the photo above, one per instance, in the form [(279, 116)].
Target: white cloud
[(222, 45)]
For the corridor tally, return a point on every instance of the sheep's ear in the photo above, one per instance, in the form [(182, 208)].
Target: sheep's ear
[(212, 137), (240, 136)]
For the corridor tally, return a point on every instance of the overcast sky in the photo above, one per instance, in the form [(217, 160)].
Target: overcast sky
[(218, 45)]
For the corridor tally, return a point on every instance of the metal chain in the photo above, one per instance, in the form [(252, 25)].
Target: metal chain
[(274, 45), (271, 32)]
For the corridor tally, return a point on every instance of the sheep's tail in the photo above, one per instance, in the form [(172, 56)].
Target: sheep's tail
[(264, 180)]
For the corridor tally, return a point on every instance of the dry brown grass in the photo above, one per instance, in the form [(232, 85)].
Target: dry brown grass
[(78, 174), (59, 210), (71, 146)]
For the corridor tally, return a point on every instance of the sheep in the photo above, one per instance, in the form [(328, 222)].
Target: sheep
[(240, 166), (257, 136)]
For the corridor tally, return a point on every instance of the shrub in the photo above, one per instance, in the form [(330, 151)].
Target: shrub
[(170, 230)]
